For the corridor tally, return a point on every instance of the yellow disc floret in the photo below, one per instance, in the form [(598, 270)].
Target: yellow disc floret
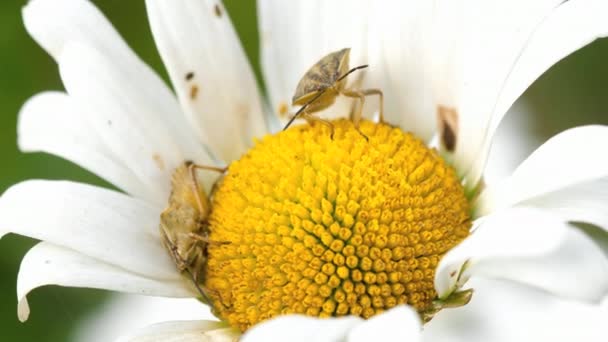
[(331, 227)]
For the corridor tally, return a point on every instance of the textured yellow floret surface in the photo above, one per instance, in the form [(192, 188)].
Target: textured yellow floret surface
[(331, 227)]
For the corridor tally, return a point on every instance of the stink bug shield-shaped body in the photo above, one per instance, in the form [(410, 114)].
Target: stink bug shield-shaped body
[(323, 82), (322, 79), (183, 224)]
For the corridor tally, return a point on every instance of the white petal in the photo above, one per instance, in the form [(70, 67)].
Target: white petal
[(102, 224), (493, 35), (584, 202), (398, 324), (505, 312), (50, 122), (126, 313), (571, 158), (53, 23), (561, 31), (183, 331), (399, 58), (297, 328), (577, 269), (56, 23), (572, 26), (47, 264), (512, 233), (137, 92), (130, 115), (294, 35), (513, 142), (210, 72)]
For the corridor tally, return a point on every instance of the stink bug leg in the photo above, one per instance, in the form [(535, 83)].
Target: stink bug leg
[(311, 118), (361, 94), (195, 187), (205, 239)]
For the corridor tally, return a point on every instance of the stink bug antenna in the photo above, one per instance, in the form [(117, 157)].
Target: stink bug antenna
[(295, 116), (351, 71)]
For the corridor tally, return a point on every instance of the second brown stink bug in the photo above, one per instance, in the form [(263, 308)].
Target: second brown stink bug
[(323, 82), (183, 224)]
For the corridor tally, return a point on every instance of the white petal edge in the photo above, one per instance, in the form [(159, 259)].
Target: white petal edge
[(569, 158), (502, 311), (571, 26), (401, 323), (294, 35), (50, 122), (517, 232), (183, 331), (298, 328), (47, 264), (129, 115), (210, 73), (100, 223)]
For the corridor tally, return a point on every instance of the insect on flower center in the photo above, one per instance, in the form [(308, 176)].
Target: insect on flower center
[(331, 227)]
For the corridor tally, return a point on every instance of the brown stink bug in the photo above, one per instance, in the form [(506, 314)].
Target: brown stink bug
[(323, 82), (183, 224)]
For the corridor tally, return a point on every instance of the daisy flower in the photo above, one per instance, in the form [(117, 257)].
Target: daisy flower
[(377, 230)]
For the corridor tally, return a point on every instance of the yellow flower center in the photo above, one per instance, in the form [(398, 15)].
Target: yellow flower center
[(332, 227)]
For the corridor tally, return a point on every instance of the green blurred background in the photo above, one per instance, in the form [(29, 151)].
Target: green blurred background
[(574, 92)]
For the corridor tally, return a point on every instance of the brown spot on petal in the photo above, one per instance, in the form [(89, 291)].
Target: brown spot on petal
[(189, 76), (193, 92), (218, 10), (453, 274), (159, 161), (448, 127), (283, 109), (242, 111)]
